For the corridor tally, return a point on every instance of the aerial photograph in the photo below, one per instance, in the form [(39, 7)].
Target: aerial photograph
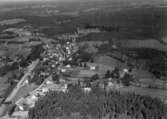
[(83, 59)]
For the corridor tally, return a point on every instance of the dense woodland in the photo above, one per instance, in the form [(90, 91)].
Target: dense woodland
[(97, 104)]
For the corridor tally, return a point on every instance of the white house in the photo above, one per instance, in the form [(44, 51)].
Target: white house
[(110, 84), (26, 81), (49, 82), (63, 70), (53, 66), (64, 88), (70, 59), (92, 67), (68, 66), (44, 90), (87, 89)]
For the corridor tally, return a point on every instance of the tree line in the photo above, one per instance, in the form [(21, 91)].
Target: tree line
[(98, 104)]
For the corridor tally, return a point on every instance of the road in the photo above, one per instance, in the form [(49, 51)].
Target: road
[(36, 90), (21, 82), (30, 68)]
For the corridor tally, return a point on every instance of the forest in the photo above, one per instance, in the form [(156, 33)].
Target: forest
[(97, 104)]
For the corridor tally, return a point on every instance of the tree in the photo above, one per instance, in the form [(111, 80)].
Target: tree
[(55, 77), (108, 74), (126, 79), (85, 65), (92, 60), (115, 73), (94, 77), (35, 53)]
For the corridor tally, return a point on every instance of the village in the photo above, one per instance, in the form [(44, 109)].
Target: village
[(62, 64)]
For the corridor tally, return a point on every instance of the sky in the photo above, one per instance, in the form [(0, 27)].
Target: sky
[(25, 0), (8, 1), (30, 0), (13, 0), (44, 0)]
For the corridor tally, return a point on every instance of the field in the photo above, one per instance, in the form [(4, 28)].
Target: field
[(149, 43), (109, 61), (11, 21), (133, 19), (155, 93), (3, 86)]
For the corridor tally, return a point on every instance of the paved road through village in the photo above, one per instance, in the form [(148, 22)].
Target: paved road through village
[(30, 68)]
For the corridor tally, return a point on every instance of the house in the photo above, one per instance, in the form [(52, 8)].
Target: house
[(68, 66), (110, 84), (87, 89), (45, 59), (92, 66), (26, 103), (125, 71), (53, 66), (49, 82), (62, 80), (20, 115), (63, 70), (116, 86), (64, 88), (30, 101), (26, 82), (70, 59), (44, 90), (20, 103), (114, 46), (20, 107)]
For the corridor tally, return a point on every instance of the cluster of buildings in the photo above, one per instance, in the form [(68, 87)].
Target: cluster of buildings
[(25, 103), (79, 33), (68, 36), (56, 54), (88, 31), (52, 59)]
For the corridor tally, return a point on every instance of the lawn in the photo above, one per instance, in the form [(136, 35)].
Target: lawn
[(3, 86), (155, 93)]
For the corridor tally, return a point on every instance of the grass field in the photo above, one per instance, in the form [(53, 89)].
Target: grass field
[(3, 86), (156, 93), (150, 43), (109, 62), (11, 21)]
